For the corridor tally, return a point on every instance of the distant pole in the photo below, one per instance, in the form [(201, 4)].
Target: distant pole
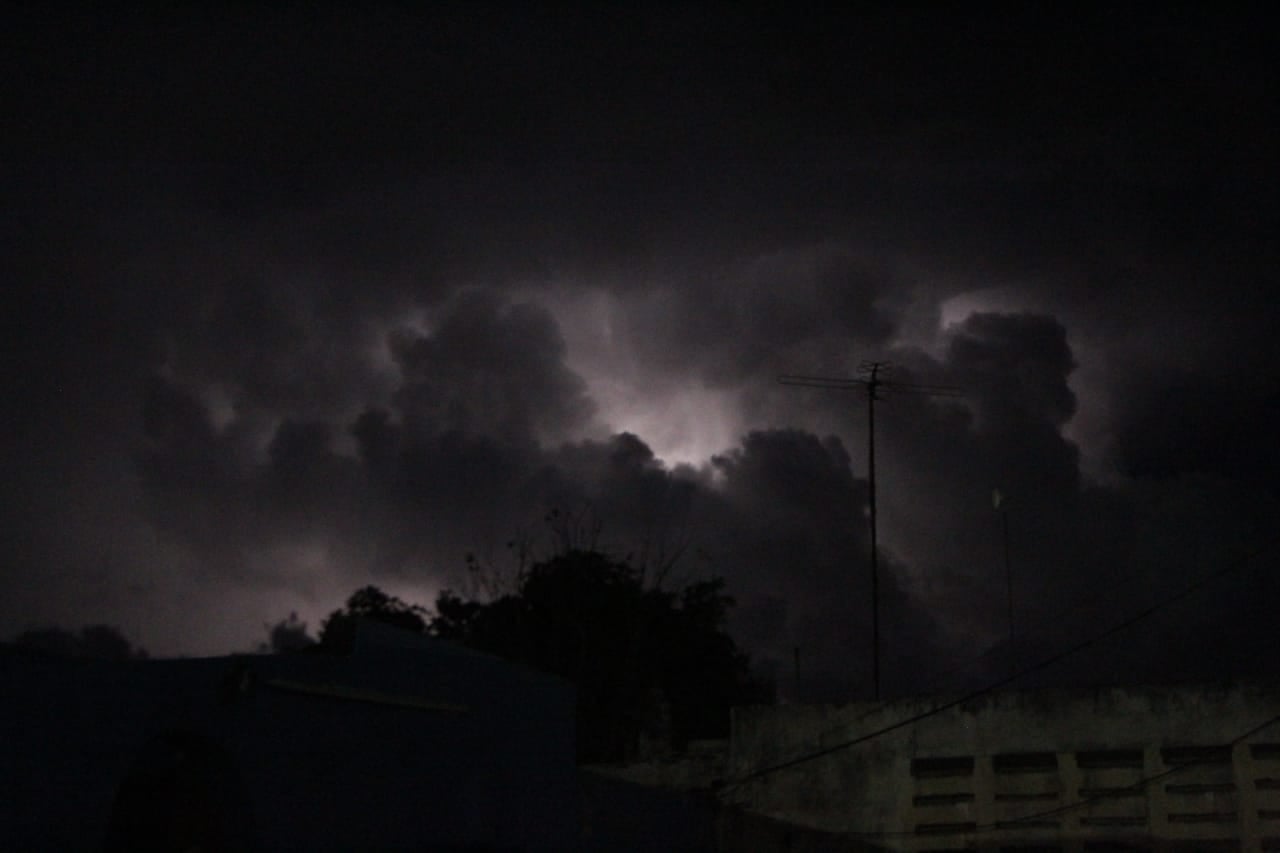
[(998, 500), (797, 657), (871, 384)]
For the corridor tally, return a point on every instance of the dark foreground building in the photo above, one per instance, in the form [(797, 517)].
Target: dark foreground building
[(407, 744)]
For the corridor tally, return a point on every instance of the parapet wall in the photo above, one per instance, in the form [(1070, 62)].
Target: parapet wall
[(1064, 769)]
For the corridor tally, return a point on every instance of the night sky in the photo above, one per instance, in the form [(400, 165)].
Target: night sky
[(300, 302)]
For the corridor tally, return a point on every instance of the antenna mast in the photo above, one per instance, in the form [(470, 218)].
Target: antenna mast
[(872, 382)]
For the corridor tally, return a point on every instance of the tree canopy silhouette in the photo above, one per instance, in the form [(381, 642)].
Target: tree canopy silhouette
[(286, 636), (99, 642), (337, 632), (645, 661)]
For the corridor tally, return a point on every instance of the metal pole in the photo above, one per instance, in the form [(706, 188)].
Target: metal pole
[(871, 506), (1008, 580), (871, 383)]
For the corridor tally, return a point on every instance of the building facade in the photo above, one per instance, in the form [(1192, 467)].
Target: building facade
[(405, 744), (1141, 768)]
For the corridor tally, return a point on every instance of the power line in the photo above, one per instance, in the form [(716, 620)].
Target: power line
[(1141, 783), (1045, 663), (870, 386), (1085, 802), (1089, 598), (973, 660)]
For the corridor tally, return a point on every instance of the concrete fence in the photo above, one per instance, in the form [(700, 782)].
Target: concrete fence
[(1194, 768)]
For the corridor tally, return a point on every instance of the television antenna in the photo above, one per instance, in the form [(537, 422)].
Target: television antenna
[(869, 382)]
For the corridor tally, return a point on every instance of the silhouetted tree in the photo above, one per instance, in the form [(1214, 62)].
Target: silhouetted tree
[(338, 631), (99, 642), (287, 635), (637, 655)]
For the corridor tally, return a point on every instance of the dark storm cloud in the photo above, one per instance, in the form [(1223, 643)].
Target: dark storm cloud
[(643, 507), (490, 369), (794, 486), (939, 460), (749, 316), (305, 303), (1185, 423), (1083, 555), (946, 456), (771, 516), (474, 396), (448, 473), (220, 500), (784, 535), (1015, 369)]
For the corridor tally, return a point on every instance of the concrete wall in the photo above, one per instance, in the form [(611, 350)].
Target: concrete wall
[(701, 767), (1012, 770)]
